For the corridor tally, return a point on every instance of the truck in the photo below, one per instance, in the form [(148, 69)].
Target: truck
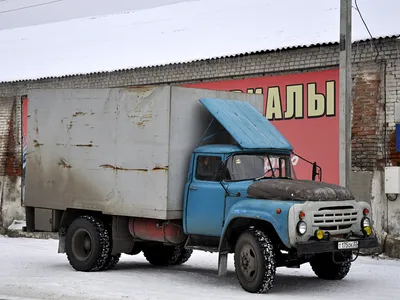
[(166, 170)]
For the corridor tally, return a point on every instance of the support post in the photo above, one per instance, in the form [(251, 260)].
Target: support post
[(345, 93)]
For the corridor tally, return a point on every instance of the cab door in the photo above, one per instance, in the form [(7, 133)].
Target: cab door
[(206, 197)]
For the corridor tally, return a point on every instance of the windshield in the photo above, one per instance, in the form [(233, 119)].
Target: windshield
[(257, 166)]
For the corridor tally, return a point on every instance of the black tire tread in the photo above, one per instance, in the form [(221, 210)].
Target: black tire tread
[(111, 262), (162, 255), (267, 249), (104, 243), (324, 267), (184, 256)]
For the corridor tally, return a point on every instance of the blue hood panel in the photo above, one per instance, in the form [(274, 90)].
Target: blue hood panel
[(246, 125)]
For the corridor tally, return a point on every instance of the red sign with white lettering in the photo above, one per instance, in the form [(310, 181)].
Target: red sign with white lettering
[(304, 107)]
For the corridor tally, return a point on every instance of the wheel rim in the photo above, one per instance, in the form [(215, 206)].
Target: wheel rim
[(82, 244), (248, 262)]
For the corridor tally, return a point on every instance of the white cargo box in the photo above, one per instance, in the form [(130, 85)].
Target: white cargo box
[(122, 151)]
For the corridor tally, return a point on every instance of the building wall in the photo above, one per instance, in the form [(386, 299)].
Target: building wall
[(10, 160), (375, 93)]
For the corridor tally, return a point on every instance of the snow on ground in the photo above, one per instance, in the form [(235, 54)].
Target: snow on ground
[(32, 269)]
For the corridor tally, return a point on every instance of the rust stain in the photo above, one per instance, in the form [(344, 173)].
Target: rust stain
[(64, 164), (36, 122), (139, 89), (84, 145), (122, 169), (394, 156), (77, 145), (13, 164), (69, 126), (160, 168), (36, 144), (79, 113)]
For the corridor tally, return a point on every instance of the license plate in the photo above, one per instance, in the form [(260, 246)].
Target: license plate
[(348, 245)]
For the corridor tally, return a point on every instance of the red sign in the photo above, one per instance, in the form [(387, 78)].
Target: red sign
[(304, 107)]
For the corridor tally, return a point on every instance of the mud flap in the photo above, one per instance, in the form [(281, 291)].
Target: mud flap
[(222, 264), (61, 243)]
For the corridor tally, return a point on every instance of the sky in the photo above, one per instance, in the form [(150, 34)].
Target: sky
[(19, 13)]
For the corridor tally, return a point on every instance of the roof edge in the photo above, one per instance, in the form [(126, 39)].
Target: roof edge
[(394, 36)]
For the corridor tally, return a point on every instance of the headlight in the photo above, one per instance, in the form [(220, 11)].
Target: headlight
[(301, 227), (365, 222), (366, 226)]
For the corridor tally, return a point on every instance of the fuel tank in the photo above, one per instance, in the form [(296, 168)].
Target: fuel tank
[(169, 231)]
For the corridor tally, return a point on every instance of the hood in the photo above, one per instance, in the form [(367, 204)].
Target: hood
[(306, 190)]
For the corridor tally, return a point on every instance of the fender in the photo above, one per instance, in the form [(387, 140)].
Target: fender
[(260, 209)]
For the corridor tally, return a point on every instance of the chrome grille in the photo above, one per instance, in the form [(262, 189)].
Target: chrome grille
[(336, 219)]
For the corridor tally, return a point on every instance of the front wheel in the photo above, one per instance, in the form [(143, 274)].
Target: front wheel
[(326, 268), (255, 261)]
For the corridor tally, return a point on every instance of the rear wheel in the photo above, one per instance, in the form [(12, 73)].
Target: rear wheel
[(87, 244), (255, 261), (325, 268), (111, 262), (184, 256), (162, 255)]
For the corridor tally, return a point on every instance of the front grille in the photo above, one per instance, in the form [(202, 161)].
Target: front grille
[(337, 218)]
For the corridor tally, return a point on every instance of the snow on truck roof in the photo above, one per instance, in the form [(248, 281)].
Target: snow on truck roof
[(181, 33)]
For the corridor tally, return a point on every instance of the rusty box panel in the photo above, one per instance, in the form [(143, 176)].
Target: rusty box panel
[(122, 151)]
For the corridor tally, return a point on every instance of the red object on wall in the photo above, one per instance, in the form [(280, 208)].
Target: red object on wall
[(305, 108), (24, 121), (156, 230)]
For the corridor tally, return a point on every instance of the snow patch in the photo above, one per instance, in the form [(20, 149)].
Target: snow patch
[(17, 225), (383, 256)]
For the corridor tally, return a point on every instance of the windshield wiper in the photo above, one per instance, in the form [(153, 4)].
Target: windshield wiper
[(266, 177), (261, 177)]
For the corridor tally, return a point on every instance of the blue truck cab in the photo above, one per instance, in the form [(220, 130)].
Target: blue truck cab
[(244, 198)]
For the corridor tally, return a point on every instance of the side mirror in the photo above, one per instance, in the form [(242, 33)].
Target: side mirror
[(316, 170)]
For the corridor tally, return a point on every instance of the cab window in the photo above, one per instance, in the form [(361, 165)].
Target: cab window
[(208, 167)]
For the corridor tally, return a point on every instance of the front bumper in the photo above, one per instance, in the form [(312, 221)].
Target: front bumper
[(313, 247)]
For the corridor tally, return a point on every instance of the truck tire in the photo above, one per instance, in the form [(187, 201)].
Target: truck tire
[(162, 255), (184, 256), (111, 262), (325, 268), (87, 244), (255, 261)]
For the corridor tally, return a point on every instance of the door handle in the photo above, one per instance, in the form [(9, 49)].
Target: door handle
[(193, 188)]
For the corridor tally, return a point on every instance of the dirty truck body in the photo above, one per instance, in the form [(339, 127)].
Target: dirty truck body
[(165, 170)]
